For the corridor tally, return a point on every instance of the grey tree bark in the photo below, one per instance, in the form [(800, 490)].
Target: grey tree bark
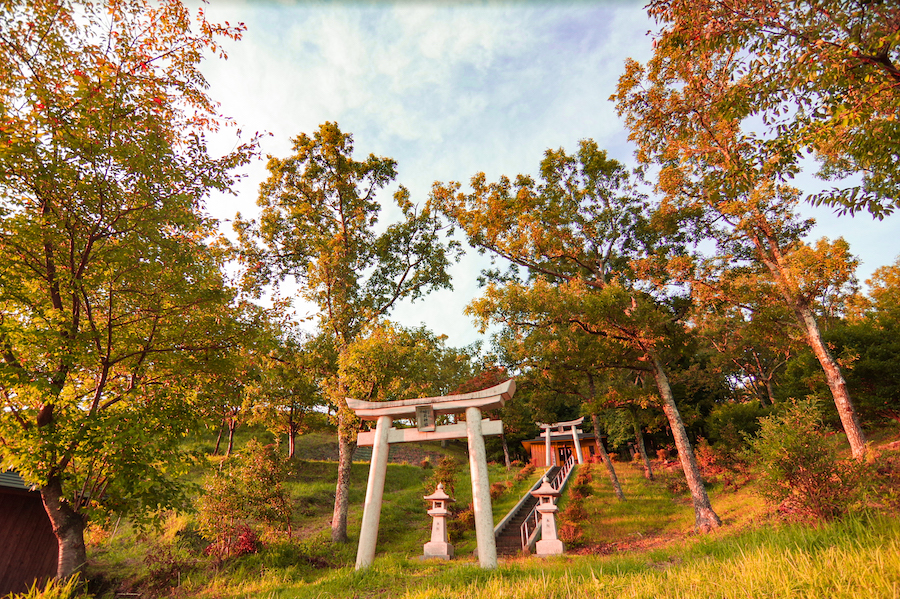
[(346, 447), (605, 456), (642, 448), (705, 518), (68, 527)]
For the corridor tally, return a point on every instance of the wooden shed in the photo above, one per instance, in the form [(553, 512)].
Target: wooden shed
[(28, 549), (562, 445)]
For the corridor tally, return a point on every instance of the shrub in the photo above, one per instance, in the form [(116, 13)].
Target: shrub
[(581, 486), (570, 534), (673, 480), (525, 472), (164, 567), (445, 474), (460, 522), (570, 522), (730, 424), (799, 465), (246, 494), (498, 489), (721, 463), (263, 470), (885, 481)]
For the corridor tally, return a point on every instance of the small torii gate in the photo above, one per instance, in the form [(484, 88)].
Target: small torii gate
[(424, 411), (560, 428)]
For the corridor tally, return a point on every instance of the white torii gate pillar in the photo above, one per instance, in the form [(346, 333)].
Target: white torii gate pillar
[(368, 532), (424, 411), (481, 491), (578, 453), (548, 452)]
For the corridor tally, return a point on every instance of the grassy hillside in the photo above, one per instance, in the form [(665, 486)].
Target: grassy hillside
[(643, 547)]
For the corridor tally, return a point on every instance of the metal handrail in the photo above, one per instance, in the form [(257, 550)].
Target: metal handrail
[(528, 527)]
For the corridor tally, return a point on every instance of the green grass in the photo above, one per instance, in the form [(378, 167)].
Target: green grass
[(858, 557), (503, 504), (643, 547), (650, 512)]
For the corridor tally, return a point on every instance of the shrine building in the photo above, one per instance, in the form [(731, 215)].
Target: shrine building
[(562, 446)]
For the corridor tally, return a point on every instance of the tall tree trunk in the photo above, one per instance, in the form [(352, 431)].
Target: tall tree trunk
[(775, 261), (705, 518), (642, 448), (770, 390), (292, 433), (292, 443), (595, 420), (505, 451), (219, 438), (346, 446), (232, 426), (68, 526), (836, 383), (762, 395)]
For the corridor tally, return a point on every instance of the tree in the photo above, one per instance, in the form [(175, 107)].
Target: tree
[(686, 113), (586, 238), (391, 362), (518, 423), (318, 226), (738, 313), (112, 293), (870, 344), (565, 361), (290, 382), (824, 76)]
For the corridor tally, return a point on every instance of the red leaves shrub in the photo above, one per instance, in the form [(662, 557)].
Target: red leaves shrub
[(247, 542), (722, 463), (581, 486), (497, 489), (525, 472), (240, 540), (570, 533), (570, 521)]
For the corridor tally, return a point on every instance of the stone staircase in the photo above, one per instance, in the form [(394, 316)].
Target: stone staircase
[(509, 538)]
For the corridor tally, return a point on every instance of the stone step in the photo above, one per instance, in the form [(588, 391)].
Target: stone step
[(509, 540)]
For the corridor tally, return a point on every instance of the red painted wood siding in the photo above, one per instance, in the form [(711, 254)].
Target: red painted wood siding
[(28, 549)]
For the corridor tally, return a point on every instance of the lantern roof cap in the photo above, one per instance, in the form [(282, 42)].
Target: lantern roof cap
[(438, 494), (545, 490)]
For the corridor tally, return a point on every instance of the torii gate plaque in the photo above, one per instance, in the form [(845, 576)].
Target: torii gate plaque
[(424, 410)]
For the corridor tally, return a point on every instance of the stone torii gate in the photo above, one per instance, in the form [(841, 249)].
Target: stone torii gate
[(424, 411), (560, 428)]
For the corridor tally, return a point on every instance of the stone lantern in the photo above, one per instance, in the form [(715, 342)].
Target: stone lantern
[(438, 547), (549, 543)]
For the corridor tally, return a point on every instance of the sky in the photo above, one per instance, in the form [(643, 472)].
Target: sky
[(447, 89)]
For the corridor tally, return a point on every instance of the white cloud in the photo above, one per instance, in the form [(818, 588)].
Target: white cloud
[(446, 90)]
